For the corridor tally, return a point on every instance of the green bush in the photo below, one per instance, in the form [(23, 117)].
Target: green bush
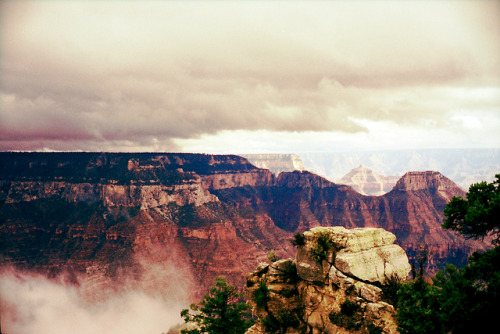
[(321, 246), (349, 308), (372, 329), (271, 256), (260, 296), (298, 239), (348, 317), (459, 300), (220, 312), (270, 324)]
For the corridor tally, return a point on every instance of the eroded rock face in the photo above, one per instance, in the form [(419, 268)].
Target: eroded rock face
[(335, 284), (72, 211)]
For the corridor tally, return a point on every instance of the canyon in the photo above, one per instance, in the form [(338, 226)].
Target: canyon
[(160, 220)]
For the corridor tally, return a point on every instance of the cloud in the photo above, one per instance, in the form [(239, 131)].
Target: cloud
[(150, 75), (144, 297), (33, 304)]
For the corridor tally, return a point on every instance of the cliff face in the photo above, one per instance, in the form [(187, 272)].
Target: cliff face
[(413, 210), (112, 217), (115, 215), (335, 284)]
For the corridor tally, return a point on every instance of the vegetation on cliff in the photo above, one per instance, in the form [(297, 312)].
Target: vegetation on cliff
[(466, 299), (220, 312), (478, 215)]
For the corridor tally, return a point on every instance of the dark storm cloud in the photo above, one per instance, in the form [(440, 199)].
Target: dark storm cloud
[(140, 76)]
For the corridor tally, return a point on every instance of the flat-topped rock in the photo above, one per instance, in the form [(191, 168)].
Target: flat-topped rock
[(367, 254)]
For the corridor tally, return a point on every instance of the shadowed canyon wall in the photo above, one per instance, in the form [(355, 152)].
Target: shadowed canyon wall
[(114, 217)]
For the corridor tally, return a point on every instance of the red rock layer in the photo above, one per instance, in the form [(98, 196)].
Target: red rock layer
[(116, 216)]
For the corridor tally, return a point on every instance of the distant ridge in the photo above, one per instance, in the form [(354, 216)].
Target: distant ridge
[(367, 182), (463, 166), (276, 163)]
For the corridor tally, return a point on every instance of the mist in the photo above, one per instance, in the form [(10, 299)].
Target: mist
[(31, 303)]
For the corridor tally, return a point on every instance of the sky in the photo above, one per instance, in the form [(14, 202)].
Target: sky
[(249, 76)]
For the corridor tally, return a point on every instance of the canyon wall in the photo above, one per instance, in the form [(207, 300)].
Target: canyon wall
[(115, 216)]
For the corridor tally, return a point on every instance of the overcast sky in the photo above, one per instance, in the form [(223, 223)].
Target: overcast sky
[(249, 76)]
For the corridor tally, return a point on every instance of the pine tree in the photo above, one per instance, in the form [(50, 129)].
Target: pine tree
[(461, 300), (220, 312)]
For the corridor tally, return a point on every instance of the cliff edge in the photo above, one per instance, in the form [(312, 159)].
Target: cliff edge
[(337, 283)]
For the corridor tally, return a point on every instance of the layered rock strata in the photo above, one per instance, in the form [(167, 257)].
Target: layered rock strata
[(111, 211), (335, 284)]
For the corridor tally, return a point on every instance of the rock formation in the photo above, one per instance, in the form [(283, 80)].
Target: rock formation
[(335, 284), (367, 182)]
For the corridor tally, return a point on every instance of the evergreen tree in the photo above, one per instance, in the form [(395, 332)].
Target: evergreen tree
[(461, 300), (479, 214), (220, 312)]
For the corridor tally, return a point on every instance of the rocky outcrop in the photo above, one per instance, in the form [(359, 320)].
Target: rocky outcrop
[(429, 181), (254, 178), (335, 284), (367, 182)]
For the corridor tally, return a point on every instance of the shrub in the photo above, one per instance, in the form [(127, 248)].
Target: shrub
[(271, 256), (260, 295), (372, 329), (348, 317), (348, 308), (288, 320), (298, 239), (287, 293), (321, 246), (390, 289), (270, 324), (220, 311)]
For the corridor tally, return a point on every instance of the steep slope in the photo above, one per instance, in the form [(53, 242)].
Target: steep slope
[(367, 182), (413, 210), (114, 216)]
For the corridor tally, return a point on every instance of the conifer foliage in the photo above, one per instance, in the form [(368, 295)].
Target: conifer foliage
[(459, 300), (220, 312), (478, 215)]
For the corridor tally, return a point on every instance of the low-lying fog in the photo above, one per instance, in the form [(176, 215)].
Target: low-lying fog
[(32, 303)]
